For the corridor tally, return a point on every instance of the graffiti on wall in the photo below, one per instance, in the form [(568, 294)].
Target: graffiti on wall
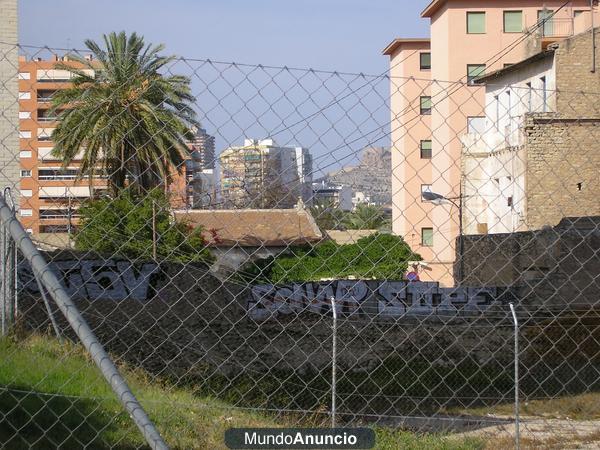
[(97, 278), (371, 298)]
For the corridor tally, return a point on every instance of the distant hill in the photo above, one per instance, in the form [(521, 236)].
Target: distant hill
[(372, 175)]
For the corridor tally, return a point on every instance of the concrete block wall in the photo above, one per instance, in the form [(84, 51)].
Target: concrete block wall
[(563, 163)]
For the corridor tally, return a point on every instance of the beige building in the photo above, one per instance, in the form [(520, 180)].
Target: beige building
[(434, 102), (538, 158), (261, 174)]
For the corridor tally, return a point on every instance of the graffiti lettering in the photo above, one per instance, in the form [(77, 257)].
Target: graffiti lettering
[(97, 279), (384, 299)]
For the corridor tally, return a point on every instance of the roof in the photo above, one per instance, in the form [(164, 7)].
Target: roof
[(513, 67), (254, 227), (392, 46), (432, 8), (348, 236)]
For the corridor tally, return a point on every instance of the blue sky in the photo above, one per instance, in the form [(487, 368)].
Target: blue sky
[(336, 35), (345, 35)]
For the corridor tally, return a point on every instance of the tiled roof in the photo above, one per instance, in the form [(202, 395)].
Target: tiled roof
[(254, 227)]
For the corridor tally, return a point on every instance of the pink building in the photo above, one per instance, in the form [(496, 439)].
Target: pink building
[(433, 103)]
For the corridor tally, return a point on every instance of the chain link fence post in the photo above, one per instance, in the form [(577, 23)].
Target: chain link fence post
[(333, 363), (516, 337)]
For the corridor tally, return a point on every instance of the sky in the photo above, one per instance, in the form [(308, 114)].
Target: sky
[(234, 104), (344, 35)]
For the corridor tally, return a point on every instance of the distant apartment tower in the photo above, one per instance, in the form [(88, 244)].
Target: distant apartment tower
[(260, 174), (200, 171), (468, 38)]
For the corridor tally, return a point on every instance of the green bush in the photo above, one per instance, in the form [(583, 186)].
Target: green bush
[(379, 256), (123, 226)]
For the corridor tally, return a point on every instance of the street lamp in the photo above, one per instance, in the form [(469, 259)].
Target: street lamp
[(439, 199)]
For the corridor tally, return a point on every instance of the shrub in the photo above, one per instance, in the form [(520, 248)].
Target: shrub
[(123, 226)]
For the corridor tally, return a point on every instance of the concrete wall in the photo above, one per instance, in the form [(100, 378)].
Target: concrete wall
[(556, 266), (9, 90)]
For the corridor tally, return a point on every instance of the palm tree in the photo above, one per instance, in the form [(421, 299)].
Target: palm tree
[(130, 120), (366, 217)]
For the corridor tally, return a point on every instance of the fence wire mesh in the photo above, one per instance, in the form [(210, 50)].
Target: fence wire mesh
[(209, 218)]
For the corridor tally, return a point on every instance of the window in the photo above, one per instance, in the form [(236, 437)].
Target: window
[(425, 188), (25, 173), (57, 174), (26, 212), (427, 237), (529, 97), (426, 106), (544, 95), (475, 125), (497, 103), (55, 228), (513, 21), (24, 76), (25, 134), (474, 71), (26, 192), (425, 61), (509, 201), (545, 18), (25, 154), (578, 12), (426, 149), (475, 22), (24, 114), (24, 95), (507, 65)]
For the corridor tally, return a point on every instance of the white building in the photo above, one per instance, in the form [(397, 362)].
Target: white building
[(537, 157)]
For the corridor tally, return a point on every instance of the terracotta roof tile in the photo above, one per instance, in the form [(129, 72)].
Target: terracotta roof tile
[(254, 227)]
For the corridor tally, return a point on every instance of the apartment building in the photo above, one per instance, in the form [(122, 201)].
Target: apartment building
[(538, 158), (434, 102), (261, 174), (50, 196)]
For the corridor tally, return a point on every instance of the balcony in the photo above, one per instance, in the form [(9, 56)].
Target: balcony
[(554, 29)]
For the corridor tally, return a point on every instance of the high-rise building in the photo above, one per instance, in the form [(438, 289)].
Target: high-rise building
[(50, 194), (260, 174), (467, 39), (198, 191)]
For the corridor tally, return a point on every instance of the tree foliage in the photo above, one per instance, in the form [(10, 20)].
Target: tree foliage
[(365, 217), (123, 226), (379, 256), (130, 120)]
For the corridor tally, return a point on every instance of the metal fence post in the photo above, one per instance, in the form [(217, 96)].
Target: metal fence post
[(110, 372), (516, 323), (333, 362)]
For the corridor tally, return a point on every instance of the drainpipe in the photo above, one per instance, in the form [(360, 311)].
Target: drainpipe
[(593, 70)]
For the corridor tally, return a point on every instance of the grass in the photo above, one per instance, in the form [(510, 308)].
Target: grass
[(576, 407), (53, 396)]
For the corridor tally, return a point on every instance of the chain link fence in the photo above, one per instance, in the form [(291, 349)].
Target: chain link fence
[(259, 246)]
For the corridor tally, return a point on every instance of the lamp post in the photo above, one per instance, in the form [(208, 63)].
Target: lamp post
[(439, 199)]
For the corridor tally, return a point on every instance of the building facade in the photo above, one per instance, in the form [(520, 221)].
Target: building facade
[(538, 159), (260, 174), (468, 38)]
